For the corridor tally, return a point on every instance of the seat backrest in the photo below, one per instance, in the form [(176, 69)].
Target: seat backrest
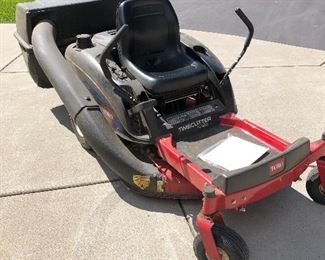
[(153, 28)]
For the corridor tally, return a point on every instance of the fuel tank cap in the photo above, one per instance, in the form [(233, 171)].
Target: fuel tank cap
[(84, 41)]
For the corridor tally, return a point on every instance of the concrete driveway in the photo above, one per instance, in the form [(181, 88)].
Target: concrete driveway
[(58, 201), (294, 22)]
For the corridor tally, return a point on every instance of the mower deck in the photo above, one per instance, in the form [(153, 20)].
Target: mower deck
[(280, 159), (192, 146)]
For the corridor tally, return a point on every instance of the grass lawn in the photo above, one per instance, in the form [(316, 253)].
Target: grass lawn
[(7, 10)]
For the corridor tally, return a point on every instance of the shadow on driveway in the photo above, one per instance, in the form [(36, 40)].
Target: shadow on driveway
[(123, 191), (286, 225)]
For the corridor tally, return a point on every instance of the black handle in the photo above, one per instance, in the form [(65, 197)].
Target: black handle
[(250, 27), (246, 21), (110, 46), (119, 90)]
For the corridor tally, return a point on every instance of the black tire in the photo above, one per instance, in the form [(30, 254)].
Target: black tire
[(82, 140), (314, 187), (36, 71), (228, 241)]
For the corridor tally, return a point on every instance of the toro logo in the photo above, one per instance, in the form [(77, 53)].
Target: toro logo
[(276, 166)]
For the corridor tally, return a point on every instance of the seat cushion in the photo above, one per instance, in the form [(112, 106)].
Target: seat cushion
[(160, 75), (151, 50)]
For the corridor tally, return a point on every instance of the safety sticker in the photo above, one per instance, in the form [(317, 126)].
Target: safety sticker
[(141, 181), (160, 186)]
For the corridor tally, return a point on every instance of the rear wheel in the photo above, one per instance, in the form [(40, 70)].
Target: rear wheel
[(36, 71), (82, 140), (314, 187), (230, 244)]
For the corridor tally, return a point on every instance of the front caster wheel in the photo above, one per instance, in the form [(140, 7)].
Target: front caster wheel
[(230, 244), (82, 140), (314, 187)]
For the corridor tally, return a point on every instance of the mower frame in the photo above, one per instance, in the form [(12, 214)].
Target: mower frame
[(46, 33), (214, 200)]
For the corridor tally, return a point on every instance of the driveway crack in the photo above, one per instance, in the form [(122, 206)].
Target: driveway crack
[(186, 218), (55, 188), (10, 62)]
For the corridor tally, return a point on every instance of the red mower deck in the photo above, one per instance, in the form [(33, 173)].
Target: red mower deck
[(278, 173)]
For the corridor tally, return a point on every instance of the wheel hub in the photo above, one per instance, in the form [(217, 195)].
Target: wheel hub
[(224, 255)]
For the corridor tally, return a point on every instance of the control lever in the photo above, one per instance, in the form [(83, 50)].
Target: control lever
[(250, 27)]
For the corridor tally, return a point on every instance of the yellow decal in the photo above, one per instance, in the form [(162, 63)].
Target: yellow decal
[(160, 186), (141, 181)]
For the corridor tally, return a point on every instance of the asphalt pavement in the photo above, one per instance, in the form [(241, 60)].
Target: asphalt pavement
[(294, 22)]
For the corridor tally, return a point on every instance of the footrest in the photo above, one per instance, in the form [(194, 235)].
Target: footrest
[(263, 171)]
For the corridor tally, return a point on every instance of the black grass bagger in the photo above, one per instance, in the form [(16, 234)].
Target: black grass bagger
[(158, 107)]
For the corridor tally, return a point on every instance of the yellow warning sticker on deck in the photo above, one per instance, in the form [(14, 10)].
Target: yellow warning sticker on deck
[(141, 181)]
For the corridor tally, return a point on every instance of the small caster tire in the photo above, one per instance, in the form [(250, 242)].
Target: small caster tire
[(82, 140), (229, 243), (314, 187)]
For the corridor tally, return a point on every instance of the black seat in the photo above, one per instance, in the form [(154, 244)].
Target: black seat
[(151, 50)]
